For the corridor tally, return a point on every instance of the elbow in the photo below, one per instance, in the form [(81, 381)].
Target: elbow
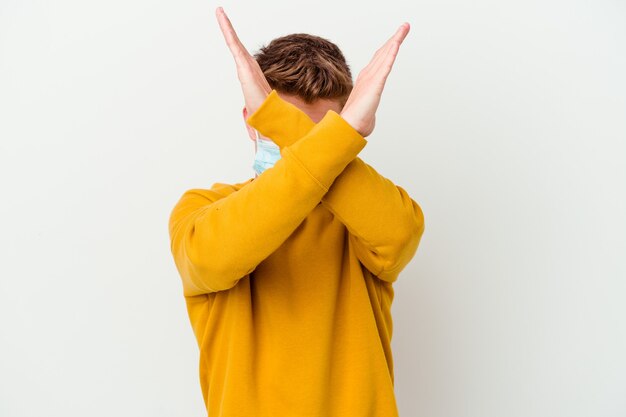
[(202, 268), (203, 275), (418, 219), (405, 246), (404, 249), (412, 231), (204, 278)]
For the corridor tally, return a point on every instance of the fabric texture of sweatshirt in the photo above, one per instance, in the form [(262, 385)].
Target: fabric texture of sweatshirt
[(288, 277)]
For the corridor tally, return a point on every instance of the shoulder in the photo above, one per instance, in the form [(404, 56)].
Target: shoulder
[(217, 191)]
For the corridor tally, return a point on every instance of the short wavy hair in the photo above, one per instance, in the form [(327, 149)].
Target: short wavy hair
[(308, 66)]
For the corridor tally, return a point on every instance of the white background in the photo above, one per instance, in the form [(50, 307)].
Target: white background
[(504, 120)]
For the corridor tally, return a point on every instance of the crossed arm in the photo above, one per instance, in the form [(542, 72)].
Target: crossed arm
[(385, 224), (218, 239)]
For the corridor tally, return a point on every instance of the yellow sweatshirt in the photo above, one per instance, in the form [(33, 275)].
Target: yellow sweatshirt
[(287, 277)]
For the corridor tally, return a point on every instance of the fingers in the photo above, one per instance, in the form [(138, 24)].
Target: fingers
[(232, 40), (402, 31), (399, 36), (390, 59), (386, 56)]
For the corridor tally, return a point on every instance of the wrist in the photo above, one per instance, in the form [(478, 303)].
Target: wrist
[(351, 121)]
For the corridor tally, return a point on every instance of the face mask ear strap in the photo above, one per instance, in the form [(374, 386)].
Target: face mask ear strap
[(258, 135)]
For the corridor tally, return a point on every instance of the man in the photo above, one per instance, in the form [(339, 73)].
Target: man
[(287, 277)]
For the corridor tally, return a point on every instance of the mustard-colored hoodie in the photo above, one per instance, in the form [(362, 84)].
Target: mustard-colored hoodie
[(287, 277)]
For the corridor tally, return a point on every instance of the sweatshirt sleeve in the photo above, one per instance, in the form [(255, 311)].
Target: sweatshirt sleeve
[(217, 241), (385, 224)]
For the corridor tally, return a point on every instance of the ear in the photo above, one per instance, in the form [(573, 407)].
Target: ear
[(251, 130)]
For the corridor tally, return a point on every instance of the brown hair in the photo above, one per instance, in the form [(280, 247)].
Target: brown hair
[(307, 66)]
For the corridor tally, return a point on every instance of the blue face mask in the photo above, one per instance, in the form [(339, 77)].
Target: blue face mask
[(267, 153)]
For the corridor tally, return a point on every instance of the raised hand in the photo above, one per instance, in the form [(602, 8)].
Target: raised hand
[(253, 82), (360, 108)]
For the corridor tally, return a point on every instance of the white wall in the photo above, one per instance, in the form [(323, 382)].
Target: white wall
[(505, 120)]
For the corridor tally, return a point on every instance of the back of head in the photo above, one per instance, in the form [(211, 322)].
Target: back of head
[(307, 66)]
